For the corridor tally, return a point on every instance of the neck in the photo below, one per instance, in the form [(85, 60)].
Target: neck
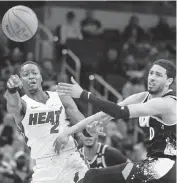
[(39, 96), (90, 152), (166, 90)]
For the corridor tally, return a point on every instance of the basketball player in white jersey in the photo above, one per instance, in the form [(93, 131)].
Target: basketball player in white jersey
[(44, 115), (156, 110)]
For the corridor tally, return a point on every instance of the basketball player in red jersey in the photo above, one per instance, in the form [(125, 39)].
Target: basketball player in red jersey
[(156, 110), (44, 115)]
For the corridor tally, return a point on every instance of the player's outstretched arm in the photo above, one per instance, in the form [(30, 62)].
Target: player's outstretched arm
[(75, 90), (61, 140), (15, 105), (76, 116), (153, 107)]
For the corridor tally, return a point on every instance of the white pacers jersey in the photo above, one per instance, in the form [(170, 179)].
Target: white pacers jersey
[(42, 123)]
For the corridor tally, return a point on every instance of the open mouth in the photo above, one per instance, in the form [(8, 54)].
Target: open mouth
[(151, 84), (31, 83)]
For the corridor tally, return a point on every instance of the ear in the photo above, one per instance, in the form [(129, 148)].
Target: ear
[(41, 79), (169, 81)]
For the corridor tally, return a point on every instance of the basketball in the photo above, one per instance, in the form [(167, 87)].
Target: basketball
[(19, 23)]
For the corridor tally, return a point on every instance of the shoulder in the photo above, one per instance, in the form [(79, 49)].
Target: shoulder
[(162, 101), (162, 104), (113, 156), (135, 98), (110, 151), (141, 96)]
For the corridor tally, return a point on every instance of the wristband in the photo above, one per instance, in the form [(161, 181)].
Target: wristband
[(85, 95), (12, 90)]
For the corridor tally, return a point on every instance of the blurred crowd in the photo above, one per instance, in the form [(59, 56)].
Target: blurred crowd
[(124, 66)]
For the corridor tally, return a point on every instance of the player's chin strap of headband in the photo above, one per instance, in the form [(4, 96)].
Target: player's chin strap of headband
[(108, 107)]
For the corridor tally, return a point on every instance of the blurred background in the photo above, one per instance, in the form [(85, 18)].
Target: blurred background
[(107, 46)]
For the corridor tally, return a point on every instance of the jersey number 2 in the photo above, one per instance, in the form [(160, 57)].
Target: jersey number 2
[(53, 129), (56, 124)]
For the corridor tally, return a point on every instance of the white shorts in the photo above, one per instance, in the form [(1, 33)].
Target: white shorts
[(65, 168)]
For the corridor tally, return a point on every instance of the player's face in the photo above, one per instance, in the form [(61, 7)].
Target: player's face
[(157, 79), (89, 141), (31, 78)]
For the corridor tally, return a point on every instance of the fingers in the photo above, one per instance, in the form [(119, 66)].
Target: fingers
[(54, 143), (64, 89), (56, 147), (102, 134), (63, 93), (10, 83), (73, 81), (14, 81), (65, 85), (59, 145)]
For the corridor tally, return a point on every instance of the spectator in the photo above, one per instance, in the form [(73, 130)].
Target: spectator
[(162, 30), (70, 29), (30, 56), (90, 26), (133, 29), (6, 137), (162, 50), (129, 64), (16, 56), (6, 70), (4, 50), (48, 73), (2, 100), (114, 135), (132, 86), (22, 171), (110, 65), (6, 171)]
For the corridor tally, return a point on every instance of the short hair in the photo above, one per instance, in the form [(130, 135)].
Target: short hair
[(70, 15), (30, 62), (168, 65)]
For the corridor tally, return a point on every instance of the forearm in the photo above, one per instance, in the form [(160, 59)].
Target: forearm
[(82, 124), (13, 99), (108, 107), (75, 116)]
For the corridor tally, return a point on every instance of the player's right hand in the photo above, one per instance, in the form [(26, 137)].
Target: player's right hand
[(60, 142), (14, 82), (74, 90)]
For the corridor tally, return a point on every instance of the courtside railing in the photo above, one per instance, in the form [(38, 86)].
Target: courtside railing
[(66, 67), (107, 89), (44, 47)]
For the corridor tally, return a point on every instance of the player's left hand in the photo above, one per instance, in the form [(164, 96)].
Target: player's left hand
[(95, 128), (98, 126), (74, 90), (60, 142)]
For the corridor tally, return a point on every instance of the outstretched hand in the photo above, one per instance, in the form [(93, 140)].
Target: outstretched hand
[(74, 90), (98, 126), (60, 142)]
